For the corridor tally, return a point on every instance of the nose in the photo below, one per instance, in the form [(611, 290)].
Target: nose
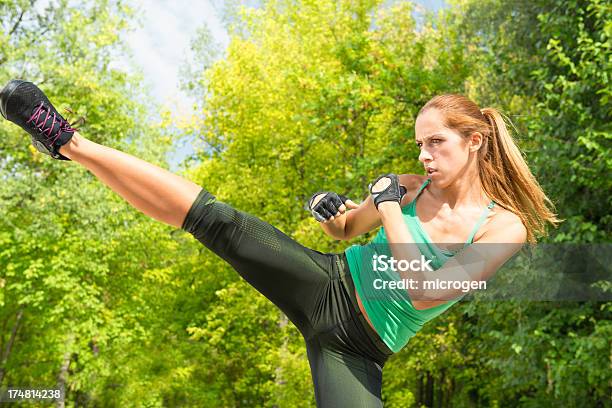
[(424, 156)]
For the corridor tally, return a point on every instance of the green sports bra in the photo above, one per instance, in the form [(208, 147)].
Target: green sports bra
[(390, 310)]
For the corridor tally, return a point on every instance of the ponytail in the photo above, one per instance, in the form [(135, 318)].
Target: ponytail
[(506, 177), (503, 171)]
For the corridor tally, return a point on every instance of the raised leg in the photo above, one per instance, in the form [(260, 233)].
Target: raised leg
[(287, 273), (152, 190)]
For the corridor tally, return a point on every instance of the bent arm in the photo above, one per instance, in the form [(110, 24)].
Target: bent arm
[(475, 263), (365, 218), (353, 222)]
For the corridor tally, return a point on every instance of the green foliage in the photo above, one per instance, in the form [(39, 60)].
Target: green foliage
[(309, 95), (546, 64), (559, 53), (335, 89), (72, 253)]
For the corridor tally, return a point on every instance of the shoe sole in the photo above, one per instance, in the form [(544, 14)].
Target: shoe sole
[(6, 93)]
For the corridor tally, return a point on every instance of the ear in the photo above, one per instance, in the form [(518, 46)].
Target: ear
[(475, 141)]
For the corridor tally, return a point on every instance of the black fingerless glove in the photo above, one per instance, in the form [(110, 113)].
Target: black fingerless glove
[(393, 192), (327, 206)]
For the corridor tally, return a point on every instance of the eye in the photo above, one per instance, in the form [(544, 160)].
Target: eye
[(419, 144), (435, 140)]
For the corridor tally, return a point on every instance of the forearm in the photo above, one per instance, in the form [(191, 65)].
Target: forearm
[(401, 244), (403, 248), (425, 294), (335, 228)]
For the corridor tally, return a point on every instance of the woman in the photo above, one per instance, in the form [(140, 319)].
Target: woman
[(477, 189)]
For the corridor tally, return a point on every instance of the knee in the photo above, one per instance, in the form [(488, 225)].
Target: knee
[(214, 223), (198, 211), (234, 235)]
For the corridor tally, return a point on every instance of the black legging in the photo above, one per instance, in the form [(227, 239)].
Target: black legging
[(313, 289)]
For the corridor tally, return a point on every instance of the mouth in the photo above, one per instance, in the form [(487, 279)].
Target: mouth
[(430, 170)]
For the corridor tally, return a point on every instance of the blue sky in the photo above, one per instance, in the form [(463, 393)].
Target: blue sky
[(161, 45)]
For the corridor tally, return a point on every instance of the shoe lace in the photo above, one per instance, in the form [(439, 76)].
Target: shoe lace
[(57, 125)]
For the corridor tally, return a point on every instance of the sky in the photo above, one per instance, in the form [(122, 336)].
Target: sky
[(161, 44)]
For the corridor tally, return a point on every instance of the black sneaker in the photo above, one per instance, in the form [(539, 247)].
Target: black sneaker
[(27, 106)]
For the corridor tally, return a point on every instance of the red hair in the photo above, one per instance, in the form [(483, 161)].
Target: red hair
[(503, 171)]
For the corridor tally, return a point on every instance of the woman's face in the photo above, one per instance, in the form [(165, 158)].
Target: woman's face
[(443, 152)]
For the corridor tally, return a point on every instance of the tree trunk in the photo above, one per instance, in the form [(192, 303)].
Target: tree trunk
[(9, 345), (439, 399), (282, 324), (419, 390), (62, 377), (450, 393), (429, 391)]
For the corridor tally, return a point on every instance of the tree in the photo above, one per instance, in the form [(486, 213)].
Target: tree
[(309, 96), (66, 303)]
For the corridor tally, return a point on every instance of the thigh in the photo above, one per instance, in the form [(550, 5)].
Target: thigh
[(290, 275), (344, 379)]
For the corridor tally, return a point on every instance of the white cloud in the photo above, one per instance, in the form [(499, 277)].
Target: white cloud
[(161, 45)]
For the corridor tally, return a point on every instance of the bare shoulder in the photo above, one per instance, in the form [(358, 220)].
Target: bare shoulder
[(412, 182), (504, 226), (503, 217)]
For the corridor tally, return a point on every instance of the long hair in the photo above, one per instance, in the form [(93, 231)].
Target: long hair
[(503, 171)]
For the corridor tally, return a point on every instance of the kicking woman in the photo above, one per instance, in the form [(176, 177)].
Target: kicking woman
[(478, 189)]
